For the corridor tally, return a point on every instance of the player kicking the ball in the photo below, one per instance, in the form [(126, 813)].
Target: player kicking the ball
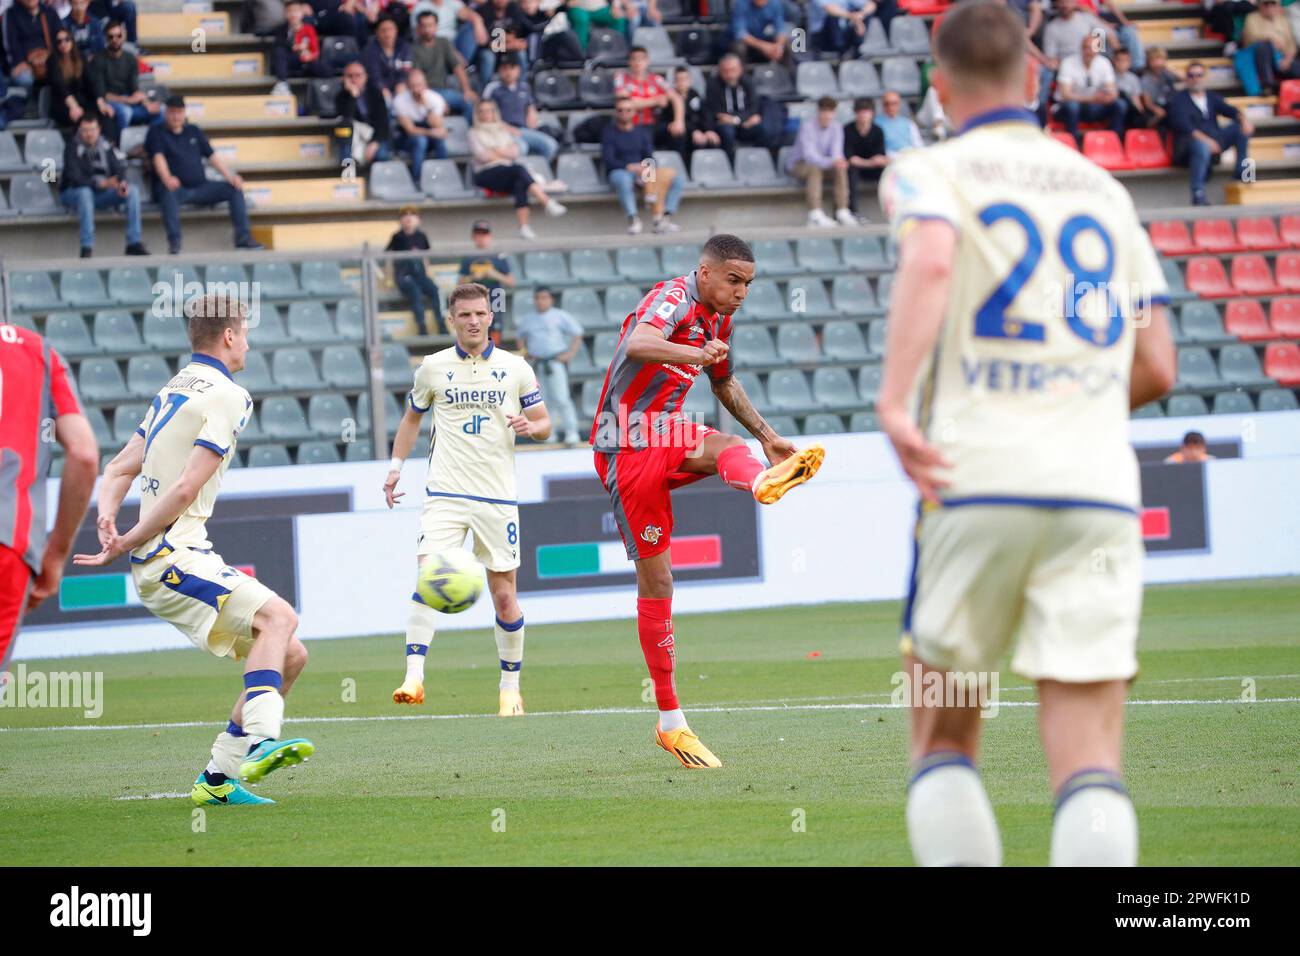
[(645, 447), (482, 397), (180, 453), (1028, 318)]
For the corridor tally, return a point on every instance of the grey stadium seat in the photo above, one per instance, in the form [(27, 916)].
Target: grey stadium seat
[(457, 141), (393, 411), (796, 342), (358, 451), (869, 383), (547, 268), (864, 252), (539, 166), (268, 456), (390, 181), (441, 179), (859, 78), (318, 453), (324, 277), (852, 295), (295, 369), (711, 169), (864, 421), (283, 420), (875, 42), (602, 348), (902, 75), (327, 414), (1149, 410), (876, 331), (679, 259), (1174, 277), (638, 263), (1201, 322), (808, 298), (1278, 400), (671, 159), (67, 332), (834, 388), (130, 287), (398, 371), (30, 195), (579, 174), (99, 425), (818, 256), (621, 301), (1196, 369), (256, 375), (754, 167), (115, 331), (126, 419), (842, 339), (814, 79), (11, 160), (784, 425), (589, 398), (276, 279), (754, 388), (592, 265), (42, 145), (33, 291), (582, 363), (1233, 403), (309, 322), (909, 34), (657, 44), (772, 79), (146, 374), (775, 256), (100, 380), (225, 272), (266, 328), (584, 305), (1185, 406), (764, 300), (1239, 365), (342, 366), (83, 288), (823, 423), (753, 345), (788, 390), (350, 321), (883, 287)]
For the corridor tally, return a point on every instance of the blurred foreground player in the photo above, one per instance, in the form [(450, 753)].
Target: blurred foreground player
[(645, 447), (36, 389), (1027, 320), (180, 454)]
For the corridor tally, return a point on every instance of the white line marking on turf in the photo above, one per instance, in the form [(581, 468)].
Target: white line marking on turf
[(612, 711), (153, 796)]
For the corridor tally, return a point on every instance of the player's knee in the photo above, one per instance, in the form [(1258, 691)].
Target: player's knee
[(278, 618), (731, 441)]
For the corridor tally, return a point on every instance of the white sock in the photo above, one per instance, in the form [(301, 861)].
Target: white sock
[(228, 752), (510, 651), (263, 716), (419, 635), (671, 720), (1095, 824), (949, 818)]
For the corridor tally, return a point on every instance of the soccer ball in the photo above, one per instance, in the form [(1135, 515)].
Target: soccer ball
[(450, 581)]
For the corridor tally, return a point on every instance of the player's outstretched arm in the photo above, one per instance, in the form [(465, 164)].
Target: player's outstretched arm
[(732, 395), (80, 466), (118, 476), (1155, 360), (917, 305), (648, 345), (407, 431)]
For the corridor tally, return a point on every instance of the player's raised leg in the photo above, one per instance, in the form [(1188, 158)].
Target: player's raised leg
[(729, 457), (509, 631)]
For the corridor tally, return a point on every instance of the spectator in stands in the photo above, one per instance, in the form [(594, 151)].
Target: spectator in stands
[(1063, 36), (551, 338), (818, 150), (410, 275), (418, 112), (387, 57), (87, 30), (1199, 139), (546, 38), (115, 78), (437, 57), (459, 24), (901, 132), (1223, 16), (121, 11), (176, 151), (496, 168), (501, 21), (758, 31), (362, 108), (489, 269), (731, 104), (1129, 85), (71, 92), (263, 17), (94, 177), (642, 13), (657, 105), (1193, 451), (1267, 33), (699, 131), (1125, 34), (1086, 91), (1159, 83), (514, 99), (627, 153), (340, 18), (297, 48), (28, 29), (839, 26), (864, 148), (584, 14)]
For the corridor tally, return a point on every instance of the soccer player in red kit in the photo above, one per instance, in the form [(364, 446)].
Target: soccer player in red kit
[(645, 447), (35, 392)]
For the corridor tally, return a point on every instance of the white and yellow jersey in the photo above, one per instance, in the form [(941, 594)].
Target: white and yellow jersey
[(1026, 392), (201, 405), (473, 444)]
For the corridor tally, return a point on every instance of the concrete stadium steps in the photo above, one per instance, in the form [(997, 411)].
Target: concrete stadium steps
[(271, 149), (204, 109), (1165, 32), (1258, 108), (1275, 148), (303, 236), (153, 26), (321, 191), (1266, 192), (170, 67)]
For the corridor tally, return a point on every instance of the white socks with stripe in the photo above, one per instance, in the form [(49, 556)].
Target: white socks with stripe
[(510, 651), (419, 635), (263, 715), (228, 753), (1095, 824), (949, 818)]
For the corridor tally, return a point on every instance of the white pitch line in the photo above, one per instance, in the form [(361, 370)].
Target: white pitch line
[(612, 711), (153, 796)]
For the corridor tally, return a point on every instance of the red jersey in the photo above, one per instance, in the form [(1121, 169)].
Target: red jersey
[(625, 84), (640, 399), (35, 388), (306, 41)]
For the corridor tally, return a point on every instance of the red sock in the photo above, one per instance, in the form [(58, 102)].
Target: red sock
[(654, 624), (738, 467)]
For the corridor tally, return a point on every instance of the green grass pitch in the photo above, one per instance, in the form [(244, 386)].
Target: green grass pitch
[(791, 699)]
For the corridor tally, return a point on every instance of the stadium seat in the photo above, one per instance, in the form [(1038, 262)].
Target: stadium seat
[(859, 78), (775, 257), (256, 375), (547, 268), (268, 456), (1196, 369), (814, 79), (864, 253), (671, 159), (582, 363), (1284, 317), (1259, 233), (539, 166), (1174, 279), (876, 332), (579, 172), (43, 149), (902, 75), (772, 79), (130, 287), (393, 411), (883, 287), (441, 179), (309, 322), (1239, 365), (338, 52), (607, 45), (852, 295), (126, 419), (834, 388), (100, 380), (694, 45), (282, 419), (679, 259), (349, 321), (753, 345), (1289, 229), (266, 328), (30, 195), (796, 342), (657, 43), (602, 348), (390, 180), (864, 422), (358, 451), (589, 398), (869, 383), (754, 388), (822, 423), (1233, 403), (457, 141), (1288, 96), (787, 390), (754, 167), (638, 263), (1278, 400), (318, 453), (11, 160), (276, 279), (765, 301), (596, 86), (146, 375), (324, 278), (1103, 147), (1200, 322), (322, 96), (584, 305), (818, 256), (1207, 278), (295, 369), (592, 265), (1251, 275), (1215, 236), (808, 298), (67, 332), (1064, 138), (115, 331), (1282, 362), (1186, 406), (1171, 238), (251, 429), (83, 288), (398, 372), (1149, 410), (1245, 320), (1145, 149), (711, 169), (875, 43), (842, 339), (328, 415), (554, 90), (1288, 271), (620, 301), (342, 366)]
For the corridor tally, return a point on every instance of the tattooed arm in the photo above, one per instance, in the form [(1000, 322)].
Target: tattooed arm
[(732, 395)]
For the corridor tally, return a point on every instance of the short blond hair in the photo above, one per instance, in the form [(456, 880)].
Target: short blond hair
[(208, 316)]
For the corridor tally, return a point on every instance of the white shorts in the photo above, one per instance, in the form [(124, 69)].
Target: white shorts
[(1064, 584), (445, 522), (210, 602)]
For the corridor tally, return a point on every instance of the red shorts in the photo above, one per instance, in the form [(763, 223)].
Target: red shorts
[(639, 482), (15, 582)]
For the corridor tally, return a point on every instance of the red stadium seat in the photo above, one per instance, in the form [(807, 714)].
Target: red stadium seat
[(1288, 97), (1260, 233), (1172, 238), (1206, 277), (1145, 149), (921, 8), (1103, 147), (1290, 229), (1284, 316), (1282, 362), (1251, 275), (1066, 138), (1245, 319), (1288, 271), (1215, 235)]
